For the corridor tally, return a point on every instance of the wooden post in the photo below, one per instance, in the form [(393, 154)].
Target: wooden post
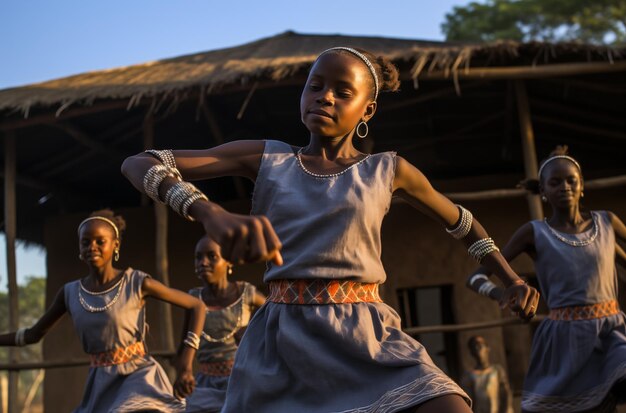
[(10, 229), (528, 146), (161, 264)]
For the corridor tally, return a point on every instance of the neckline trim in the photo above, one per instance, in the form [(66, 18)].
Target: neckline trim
[(333, 175)]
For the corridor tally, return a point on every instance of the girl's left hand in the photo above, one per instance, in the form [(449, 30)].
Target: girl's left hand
[(184, 384), (522, 299)]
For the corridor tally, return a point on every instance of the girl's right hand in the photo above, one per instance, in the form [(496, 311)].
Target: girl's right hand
[(242, 238), (522, 299)]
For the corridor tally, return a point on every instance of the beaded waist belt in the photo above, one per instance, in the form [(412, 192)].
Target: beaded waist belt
[(118, 356), (585, 312), (320, 291), (218, 368)]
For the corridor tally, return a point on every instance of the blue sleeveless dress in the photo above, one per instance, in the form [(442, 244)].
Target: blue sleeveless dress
[(137, 385), (332, 357), (220, 324), (575, 364)]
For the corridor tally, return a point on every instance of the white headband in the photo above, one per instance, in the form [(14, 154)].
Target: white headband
[(365, 60), (569, 158), (107, 220)]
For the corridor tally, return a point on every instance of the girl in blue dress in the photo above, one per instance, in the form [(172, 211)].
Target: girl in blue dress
[(324, 341), (229, 306), (107, 307), (578, 358)]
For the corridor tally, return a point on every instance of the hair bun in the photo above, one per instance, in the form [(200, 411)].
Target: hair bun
[(390, 81), (108, 213), (560, 150)]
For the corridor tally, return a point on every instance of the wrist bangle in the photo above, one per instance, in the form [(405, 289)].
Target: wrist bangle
[(19, 337)]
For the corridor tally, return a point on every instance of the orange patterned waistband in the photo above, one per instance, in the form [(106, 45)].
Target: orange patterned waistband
[(585, 312), (118, 356), (320, 291), (218, 368)]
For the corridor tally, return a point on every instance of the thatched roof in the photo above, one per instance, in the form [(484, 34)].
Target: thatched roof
[(279, 57)]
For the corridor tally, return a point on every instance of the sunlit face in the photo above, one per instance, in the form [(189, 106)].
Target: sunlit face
[(209, 265), (561, 183), (480, 350), (337, 95), (97, 243)]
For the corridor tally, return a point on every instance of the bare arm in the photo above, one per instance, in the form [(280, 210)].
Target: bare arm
[(195, 322), (413, 187), (35, 333), (242, 238), (504, 392), (620, 235), (259, 299)]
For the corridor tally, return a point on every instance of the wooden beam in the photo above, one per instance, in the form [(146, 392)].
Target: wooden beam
[(425, 97), (588, 130), (160, 248), (574, 113), (10, 231), (51, 117), (528, 146), (526, 72), (84, 139), (449, 328)]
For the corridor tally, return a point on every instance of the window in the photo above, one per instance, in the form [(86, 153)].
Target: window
[(431, 306)]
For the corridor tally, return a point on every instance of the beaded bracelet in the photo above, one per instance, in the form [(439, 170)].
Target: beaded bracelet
[(477, 277), (20, 340), (486, 288), (153, 179), (481, 248), (465, 224), (165, 156), (192, 340), (181, 196)]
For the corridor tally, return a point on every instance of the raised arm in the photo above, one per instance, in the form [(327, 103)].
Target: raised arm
[(242, 238), (413, 187), (35, 333), (184, 384)]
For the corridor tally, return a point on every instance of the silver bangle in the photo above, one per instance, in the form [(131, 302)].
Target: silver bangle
[(464, 226), (192, 340), (184, 211), (481, 248), (153, 179), (20, 340), (165, 156), (486, 288), (477, 277)]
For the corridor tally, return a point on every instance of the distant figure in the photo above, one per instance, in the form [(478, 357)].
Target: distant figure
[(487, 384)]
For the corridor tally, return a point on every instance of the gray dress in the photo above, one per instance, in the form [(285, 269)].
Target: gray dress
[(138, 385), (220, 324), (575, 364), (333, 357)]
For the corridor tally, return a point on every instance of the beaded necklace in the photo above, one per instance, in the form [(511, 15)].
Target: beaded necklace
[(299, 158), (94, 309), (575, 243)]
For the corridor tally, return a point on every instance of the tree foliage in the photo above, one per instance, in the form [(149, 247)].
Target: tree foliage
[(593, 21)]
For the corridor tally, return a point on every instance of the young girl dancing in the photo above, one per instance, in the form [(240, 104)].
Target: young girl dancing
[(578, 359), (229, 307), (107, 309), (324, 341)]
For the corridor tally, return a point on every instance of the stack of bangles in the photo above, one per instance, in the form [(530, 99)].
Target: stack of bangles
[(20, 340), (181, 195), (192, 340), (479, 249), (487, 286)]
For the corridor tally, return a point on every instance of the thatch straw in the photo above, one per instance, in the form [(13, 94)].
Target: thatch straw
[(277, 58)]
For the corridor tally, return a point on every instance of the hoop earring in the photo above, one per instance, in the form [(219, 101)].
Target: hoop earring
[(116, 256), (230, 270), (543, 198), (364, 134), (80, 256), (582, 194)]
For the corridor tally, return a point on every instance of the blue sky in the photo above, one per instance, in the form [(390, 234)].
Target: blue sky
[(44, 39)]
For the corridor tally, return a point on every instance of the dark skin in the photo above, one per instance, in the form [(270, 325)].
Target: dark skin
[(562, 185), (97, 243), (336, 97), (212, 270)]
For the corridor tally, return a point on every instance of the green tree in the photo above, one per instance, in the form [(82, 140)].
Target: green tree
[(32, 301), (593, 21)]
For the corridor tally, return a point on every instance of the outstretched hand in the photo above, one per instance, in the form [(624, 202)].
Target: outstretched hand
[(243, 238), (184, 384), (521, 299)]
